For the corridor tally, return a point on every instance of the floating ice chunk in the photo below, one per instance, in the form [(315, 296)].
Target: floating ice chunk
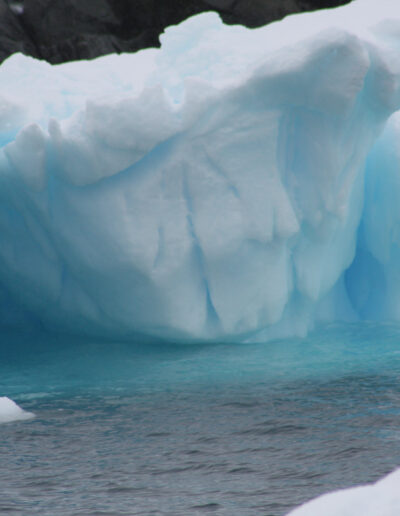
[(10, 411), (380, 499)]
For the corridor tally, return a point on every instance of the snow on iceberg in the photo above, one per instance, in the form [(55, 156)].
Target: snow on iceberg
[(10, 411), (380, 499), (209, 189)]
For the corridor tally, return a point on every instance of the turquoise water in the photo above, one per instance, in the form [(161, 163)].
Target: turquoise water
[(129, 428)]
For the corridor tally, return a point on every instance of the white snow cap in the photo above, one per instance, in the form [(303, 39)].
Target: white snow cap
[(10, 411), (380, 499)]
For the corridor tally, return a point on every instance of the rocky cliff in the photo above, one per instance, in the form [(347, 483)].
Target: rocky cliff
[(65, 30)]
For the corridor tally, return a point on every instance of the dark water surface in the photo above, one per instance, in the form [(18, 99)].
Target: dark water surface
[(192, 430)]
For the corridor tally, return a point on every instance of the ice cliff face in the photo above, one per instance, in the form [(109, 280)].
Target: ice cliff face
[(212, 189)]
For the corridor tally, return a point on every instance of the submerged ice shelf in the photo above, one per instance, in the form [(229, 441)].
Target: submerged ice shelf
[(211, 189)]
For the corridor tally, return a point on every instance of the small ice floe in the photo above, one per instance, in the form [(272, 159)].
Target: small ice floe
[(10, 411), (379, 499)]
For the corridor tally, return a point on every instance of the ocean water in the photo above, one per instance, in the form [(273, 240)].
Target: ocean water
[(228, 429)]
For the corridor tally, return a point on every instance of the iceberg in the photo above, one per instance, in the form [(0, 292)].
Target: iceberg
[(10, 411), (379, 499), (230, 185)]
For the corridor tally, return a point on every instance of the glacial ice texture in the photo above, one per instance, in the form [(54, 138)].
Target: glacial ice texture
[(234, 184), (380, 499)]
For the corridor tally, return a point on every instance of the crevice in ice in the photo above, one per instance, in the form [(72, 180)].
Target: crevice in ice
[(366, 285), (221, 173), (212, 315), (161, 248)]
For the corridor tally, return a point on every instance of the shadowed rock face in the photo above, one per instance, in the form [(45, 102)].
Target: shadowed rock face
[(13, 37), (65, 30)]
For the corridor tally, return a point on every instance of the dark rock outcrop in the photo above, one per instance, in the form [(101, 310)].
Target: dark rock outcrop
[(13, 37), (65, 30)]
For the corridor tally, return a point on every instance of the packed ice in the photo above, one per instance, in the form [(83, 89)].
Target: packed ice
[(10, 411), (379, 499), (234, 184)]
